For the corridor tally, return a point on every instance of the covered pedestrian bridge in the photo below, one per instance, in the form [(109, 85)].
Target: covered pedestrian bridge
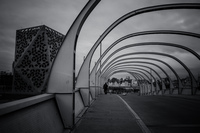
[(68, 96)]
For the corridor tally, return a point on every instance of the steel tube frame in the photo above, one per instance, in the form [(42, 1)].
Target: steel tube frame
[(146, 58), (139, 34), (130, 69), (134, 75), (131, 66), (129, 62), (152, 43), (193, 80), (115, 60), (155, 43), (146, 33), (128, 66), (62, 75), (118, 71), (86, 64), (139, 81), (140, 65), (140, 76)]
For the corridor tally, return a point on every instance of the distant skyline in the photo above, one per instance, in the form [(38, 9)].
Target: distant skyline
[(60, 14)]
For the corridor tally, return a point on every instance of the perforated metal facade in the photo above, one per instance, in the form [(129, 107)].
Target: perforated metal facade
[(36, 49)]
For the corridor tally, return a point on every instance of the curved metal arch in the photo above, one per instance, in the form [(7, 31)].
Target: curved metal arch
[(146, 33), (156, 53), (130, 66), (92, 74), (138, 77), (130, 69), (165, 44), (141, 77), (61, 79), (117, 71), (187, 69), (135, 76), (113, 62), (63, 69), (86, 64), (139, 62), (140, 82), (152, 43), (132, 73), (147, 72), (146, 58), (192, 78)]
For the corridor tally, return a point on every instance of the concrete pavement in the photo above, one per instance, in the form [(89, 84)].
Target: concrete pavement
[(133, 113), (167, 114), (108, 114)]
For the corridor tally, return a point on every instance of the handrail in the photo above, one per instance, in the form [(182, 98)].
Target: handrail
[(23, 103)]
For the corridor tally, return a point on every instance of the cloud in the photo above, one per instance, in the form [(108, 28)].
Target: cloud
[(60, 14)]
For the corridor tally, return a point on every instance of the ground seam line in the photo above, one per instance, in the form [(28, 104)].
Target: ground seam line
[(139, 121)]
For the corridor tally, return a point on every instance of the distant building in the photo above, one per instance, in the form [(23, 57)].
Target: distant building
[(36, 49), (6, 79)]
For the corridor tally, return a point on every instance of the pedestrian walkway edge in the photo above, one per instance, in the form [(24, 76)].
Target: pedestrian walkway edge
[(139, 121), (78, 121)]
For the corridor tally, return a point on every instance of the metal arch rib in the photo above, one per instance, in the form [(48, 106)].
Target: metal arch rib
[(135, 76), (139, 34), (146, 58), (61, 79), (115, 60), (164, 44), (193, 81), (86, 64), (130, 69), (143, 63), (62, 75), (147, 33), (109, 65), (138, 77), (133, 73), (117, 71), (130, 66), (141, 69), (152, 43)]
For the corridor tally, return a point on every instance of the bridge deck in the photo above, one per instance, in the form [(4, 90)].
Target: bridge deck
[(108, 114), (173, 113)]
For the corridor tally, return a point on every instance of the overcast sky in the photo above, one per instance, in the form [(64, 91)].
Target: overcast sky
[(60, 14)]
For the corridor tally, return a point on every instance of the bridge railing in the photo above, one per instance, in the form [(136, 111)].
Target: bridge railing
[(34, 114)]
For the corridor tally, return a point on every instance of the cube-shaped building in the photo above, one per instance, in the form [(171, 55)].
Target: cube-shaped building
[(36, 49)]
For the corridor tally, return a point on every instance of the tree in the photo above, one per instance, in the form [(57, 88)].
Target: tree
[(121, 80), (128, 79), (113, 80)]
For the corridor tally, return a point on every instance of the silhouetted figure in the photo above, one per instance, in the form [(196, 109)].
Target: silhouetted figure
[(105, 87)]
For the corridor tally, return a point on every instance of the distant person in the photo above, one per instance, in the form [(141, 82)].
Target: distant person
[(105, 87)]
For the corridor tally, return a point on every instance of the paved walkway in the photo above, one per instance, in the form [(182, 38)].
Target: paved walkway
[(108, 114)]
